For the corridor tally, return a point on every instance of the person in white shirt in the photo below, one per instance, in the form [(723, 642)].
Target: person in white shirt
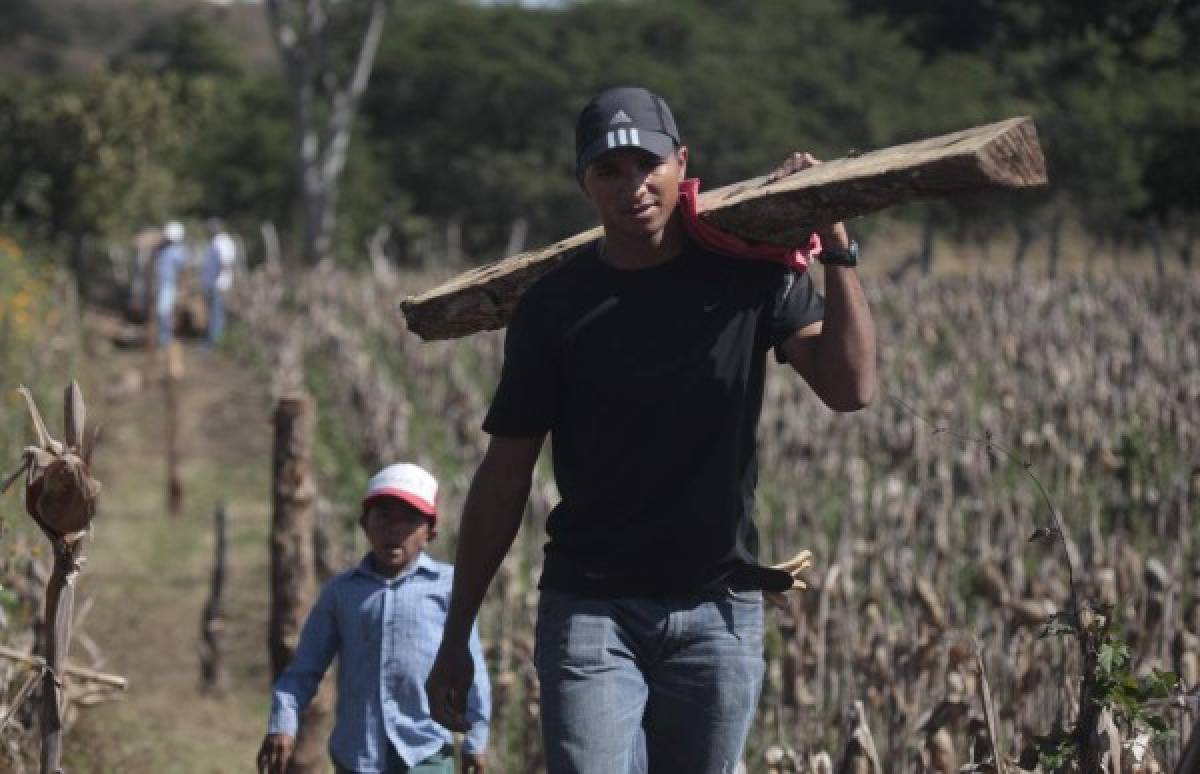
[(219, 258)]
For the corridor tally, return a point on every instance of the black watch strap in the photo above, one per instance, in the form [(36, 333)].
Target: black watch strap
[(847, 257)]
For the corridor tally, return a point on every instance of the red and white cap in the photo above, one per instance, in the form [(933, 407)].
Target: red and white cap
[(410, 483)]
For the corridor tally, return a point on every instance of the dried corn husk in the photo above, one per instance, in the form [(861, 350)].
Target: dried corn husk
[(60, 493)]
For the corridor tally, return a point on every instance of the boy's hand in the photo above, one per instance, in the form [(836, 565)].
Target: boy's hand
[(274, 754), (448, 683), (474, 763)]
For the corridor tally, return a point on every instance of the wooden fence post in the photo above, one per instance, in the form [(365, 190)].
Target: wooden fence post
[(293, 573), (172, 386), (212, 626)]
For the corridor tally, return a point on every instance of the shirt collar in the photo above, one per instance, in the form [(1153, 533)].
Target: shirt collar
[(424, 564)]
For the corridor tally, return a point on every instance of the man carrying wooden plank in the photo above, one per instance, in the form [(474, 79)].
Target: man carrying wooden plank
[(644, 358)]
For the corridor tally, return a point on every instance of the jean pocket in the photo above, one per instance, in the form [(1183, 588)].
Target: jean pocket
[(743, 612), (571, 632)]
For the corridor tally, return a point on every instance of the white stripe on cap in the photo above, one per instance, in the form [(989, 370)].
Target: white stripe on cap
[(617, 137)]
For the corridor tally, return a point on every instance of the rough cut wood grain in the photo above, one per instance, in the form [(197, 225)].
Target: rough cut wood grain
[(1000, 155), (483, 299)]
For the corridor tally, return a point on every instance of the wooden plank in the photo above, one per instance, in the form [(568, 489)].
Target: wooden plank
[(1005, 154)]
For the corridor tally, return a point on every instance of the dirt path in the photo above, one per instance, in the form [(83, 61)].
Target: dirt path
[(148, 573)]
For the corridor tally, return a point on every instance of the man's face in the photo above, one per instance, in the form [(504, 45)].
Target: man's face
[(634, 191), (397, 533)]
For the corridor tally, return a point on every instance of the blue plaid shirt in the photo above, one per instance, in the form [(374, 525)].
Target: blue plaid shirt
[(385, 633)]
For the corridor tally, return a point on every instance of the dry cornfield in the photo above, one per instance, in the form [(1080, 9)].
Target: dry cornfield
[(918, 511)]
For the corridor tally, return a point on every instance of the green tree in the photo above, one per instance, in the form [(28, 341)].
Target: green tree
[(474, 107), (240, 157), (1080, 67), (95, 157), (188, 43), (327, 69)]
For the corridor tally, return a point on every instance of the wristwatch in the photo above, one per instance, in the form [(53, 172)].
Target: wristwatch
[(847, 257)]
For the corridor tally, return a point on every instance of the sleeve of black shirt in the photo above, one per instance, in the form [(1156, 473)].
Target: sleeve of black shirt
[(526, 398), (797, 304)]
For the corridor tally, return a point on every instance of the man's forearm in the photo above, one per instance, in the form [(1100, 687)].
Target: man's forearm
[(490, 520), (846, 347)]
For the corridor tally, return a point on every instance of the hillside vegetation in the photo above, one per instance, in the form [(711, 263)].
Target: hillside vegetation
[(464, 145)]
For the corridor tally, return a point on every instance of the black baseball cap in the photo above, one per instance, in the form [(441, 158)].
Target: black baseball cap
[(624, 117)]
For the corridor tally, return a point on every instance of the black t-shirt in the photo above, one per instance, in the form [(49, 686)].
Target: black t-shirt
[(650, 383)]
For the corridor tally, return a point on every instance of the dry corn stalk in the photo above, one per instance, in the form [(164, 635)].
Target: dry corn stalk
[(868, 620), (1189, 759), (116, 682), (933, 611), (1110, 735), (1139, 757), (60, 495), (989, 709), (794, 566), (820, 763), (859, 755), (941, 753)]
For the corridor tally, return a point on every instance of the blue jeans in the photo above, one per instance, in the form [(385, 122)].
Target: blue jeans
[(216, 315), (631, 685), (165, 310)]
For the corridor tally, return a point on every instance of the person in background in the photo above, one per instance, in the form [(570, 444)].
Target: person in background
[(383, 620), (172, 256), (219, 257)]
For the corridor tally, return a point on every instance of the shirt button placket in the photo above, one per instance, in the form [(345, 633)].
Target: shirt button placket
[(385, 645)]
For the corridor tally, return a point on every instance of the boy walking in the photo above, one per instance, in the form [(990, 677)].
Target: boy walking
[(644, 359), (383, 620)]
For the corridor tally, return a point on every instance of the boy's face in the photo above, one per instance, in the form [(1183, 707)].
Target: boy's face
[(633, 191), (397, 533)]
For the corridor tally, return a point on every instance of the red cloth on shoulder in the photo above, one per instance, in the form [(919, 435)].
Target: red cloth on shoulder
[(713, 238)]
